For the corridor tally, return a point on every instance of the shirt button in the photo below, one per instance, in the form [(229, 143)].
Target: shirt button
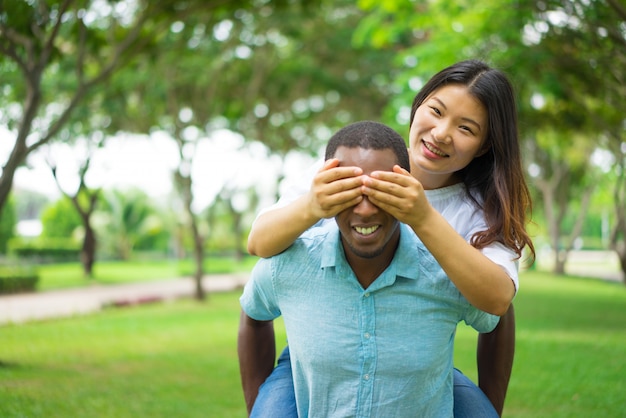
[(367, 335), (367, 294), (366, 377)]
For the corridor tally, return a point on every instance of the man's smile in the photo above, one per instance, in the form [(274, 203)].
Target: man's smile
[(366, 230)]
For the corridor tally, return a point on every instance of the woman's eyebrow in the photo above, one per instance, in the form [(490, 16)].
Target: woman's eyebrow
[(468, 120)]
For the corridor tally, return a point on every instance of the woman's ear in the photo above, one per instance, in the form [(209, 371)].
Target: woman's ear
[(482, 151)]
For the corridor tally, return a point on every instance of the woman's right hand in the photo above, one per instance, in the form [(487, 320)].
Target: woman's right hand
[(334, 189)]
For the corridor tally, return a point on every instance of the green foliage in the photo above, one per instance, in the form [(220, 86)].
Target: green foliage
[(128, 221), (566, 60), (15, 279), (60, 219), (305, 76), (7, 224)]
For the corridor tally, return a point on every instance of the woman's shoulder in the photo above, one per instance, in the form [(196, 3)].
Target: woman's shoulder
[(462, 211)]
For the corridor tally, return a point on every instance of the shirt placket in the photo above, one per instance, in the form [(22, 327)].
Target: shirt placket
[(368, 348)]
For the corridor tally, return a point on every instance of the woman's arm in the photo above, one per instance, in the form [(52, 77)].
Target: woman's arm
[(333, 190), (484, 284), (275, 230)]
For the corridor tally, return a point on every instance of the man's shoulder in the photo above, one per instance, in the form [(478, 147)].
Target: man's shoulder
[(307, 246), (315, 236)]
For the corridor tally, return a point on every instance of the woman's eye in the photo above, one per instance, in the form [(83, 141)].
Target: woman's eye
[(467, 128), (434, 109)]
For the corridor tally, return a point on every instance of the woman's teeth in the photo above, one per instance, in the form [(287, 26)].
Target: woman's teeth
[(435, 151), (366, 231)]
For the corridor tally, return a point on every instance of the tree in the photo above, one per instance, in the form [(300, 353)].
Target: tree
[(84, 201), (8, 220), (54, 54), (265, 72), (589, 44), (237, 204), (579, 47), (127, 215), (565, 184), (60, 219)]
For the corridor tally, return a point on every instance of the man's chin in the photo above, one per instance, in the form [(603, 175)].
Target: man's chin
[(367, 253)]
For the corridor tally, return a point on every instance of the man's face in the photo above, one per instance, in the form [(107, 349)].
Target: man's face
[(365, 229)]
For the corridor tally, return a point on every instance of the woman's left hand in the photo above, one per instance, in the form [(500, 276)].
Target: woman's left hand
[(399, 194)]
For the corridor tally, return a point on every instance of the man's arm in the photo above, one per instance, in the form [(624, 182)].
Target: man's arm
[(494, 355), (256, 348)]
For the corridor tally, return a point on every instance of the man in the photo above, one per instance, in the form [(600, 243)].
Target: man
[(370, 315)]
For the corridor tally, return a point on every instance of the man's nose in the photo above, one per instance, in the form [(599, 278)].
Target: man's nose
[(365, 208)]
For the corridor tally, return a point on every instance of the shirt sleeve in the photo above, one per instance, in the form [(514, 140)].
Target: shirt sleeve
[(259, 299), (479, 320), (505, 258)]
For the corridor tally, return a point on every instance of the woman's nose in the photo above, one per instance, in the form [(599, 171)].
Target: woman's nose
[(441, 133)]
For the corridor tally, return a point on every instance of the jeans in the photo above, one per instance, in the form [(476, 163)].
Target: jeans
[(277, 399)]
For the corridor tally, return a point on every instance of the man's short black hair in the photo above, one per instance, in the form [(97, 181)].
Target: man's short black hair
[(369, 135)]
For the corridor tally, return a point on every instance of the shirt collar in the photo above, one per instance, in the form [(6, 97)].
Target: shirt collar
[(404, 264)]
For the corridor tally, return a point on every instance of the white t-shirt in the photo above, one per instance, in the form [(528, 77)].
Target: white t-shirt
[(452, 202)]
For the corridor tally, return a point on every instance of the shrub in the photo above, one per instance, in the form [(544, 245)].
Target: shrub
[(42, 250), (14, 279)]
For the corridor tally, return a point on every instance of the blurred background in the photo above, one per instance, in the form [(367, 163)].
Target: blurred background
[(138, 140), (134, 127)]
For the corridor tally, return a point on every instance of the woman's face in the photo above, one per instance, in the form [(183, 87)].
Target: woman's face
[(449, 130)]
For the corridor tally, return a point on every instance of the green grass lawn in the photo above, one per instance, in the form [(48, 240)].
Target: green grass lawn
[(179, 359), (59, 276)]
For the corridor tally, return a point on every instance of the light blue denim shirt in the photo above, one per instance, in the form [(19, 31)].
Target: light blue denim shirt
[(384, 351)]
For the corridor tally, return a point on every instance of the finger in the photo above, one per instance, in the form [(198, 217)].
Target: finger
[(333, 204), (401, 176), (346, 204), (383, 199), (389, 185), (328, 164), (337, 173), (400, 170), (341, 185), (391, 204), (327, 200)]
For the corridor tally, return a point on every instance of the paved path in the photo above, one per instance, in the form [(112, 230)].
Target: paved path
[(63, 303)]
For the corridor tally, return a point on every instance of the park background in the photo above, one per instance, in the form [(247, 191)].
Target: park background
[(139, 139)]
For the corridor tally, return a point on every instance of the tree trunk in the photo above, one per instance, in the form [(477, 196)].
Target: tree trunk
[(560, 258), (184, 185), (20, 150), (198, 252), (238, 232), (88, 251), (622, 263)]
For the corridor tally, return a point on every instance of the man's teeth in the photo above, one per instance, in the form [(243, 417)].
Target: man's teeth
[(366, 231), (434, 150)]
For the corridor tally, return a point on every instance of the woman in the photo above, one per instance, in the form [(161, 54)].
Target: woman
[(465, 198)]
